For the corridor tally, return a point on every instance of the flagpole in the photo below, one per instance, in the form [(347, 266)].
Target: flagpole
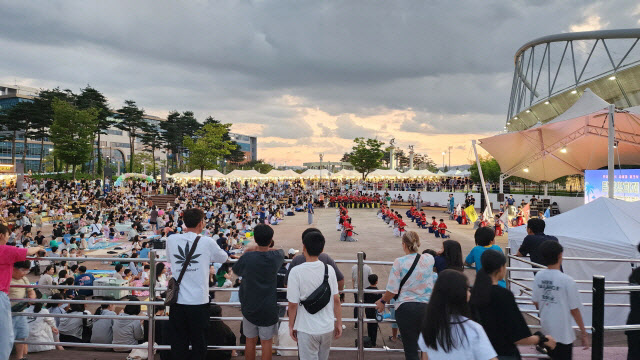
[(484, 188)]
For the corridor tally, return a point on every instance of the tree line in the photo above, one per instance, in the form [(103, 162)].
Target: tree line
[(74, 122)]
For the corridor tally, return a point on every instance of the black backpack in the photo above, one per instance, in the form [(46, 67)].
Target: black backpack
[(320, 297)]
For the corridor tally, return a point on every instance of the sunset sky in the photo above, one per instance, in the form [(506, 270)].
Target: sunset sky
[(305, 76)]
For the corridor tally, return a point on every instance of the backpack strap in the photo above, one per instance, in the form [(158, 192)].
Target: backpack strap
[(406, 277)]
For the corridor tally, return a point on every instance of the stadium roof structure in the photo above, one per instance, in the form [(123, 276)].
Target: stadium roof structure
[(552, 72)]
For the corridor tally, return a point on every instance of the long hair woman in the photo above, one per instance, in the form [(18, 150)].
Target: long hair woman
[(450, 257), (495, 308), (447, 330), (413, 296)]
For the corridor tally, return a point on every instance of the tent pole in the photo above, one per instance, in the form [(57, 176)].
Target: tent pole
[(484, 188), (612, 136)]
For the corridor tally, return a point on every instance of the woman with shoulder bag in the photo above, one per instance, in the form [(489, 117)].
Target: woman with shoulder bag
[(410, 283)]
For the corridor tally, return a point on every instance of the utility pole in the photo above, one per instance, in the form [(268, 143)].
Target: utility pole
[(450, 157)]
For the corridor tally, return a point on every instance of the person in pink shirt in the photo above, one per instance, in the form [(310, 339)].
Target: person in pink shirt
[(8, 256)]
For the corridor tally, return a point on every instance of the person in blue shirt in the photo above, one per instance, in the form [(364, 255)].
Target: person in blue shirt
[(84, 279), (310, 212), (144, 252), (485, 240)]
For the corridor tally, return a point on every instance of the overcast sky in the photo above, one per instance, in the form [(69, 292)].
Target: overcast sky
[(304, 76)]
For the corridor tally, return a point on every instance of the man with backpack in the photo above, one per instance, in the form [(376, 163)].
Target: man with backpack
[(315, 316)]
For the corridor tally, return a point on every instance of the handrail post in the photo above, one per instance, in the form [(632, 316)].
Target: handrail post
[(508, 274), (360, 308), (597, 318), (151, 313)]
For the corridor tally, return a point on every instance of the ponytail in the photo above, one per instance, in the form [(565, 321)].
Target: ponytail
[(481, 291), (491, 261)]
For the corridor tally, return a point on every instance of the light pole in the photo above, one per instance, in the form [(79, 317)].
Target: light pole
[(443, 154), (54, 159), (321, 156)]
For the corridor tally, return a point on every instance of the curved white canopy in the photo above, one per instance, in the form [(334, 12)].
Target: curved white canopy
[(573, 142)]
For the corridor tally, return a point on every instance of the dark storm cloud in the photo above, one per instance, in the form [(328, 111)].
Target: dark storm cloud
[(235, 60)]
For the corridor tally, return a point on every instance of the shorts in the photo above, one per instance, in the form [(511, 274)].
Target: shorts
[(20, 327), (265, 332)]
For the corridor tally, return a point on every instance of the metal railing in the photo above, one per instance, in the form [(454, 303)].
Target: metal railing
[(151, 317), (597, 315)]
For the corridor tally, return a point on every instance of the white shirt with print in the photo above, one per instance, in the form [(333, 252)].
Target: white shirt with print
[(194, 289)]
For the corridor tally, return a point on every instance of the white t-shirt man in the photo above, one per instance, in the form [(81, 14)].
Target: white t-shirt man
[(556, 294), (304, 279), (194, 289), (476, 346)]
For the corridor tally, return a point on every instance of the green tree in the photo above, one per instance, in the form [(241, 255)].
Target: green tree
[(152, 140), (490, 169), (131, 121), (208, 147), (366, 155), (92, 98), (345, 157), (14, 120), (259, 166), (72, 131), (237, 155), (175, 129), (44, 115)]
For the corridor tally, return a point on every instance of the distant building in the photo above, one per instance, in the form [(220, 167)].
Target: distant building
[(330, 165), (248, 144)]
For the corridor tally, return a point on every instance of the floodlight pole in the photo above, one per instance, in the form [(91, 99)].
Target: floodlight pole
[(484, 188), (612, 136)]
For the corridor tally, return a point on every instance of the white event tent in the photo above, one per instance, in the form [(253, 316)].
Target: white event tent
[(347, 173), (282, 174), (418, 173), (213, 174), (602, 229), (384, 173), (316, 173), (244, 174)]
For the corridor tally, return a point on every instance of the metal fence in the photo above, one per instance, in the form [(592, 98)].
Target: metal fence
[(151, 317)]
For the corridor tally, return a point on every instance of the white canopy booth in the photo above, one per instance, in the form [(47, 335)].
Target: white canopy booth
[(381, 173), (244, 174), (288, 174), (347, 174), (418, 173), (213, 174), (602, 229), (311, 173)]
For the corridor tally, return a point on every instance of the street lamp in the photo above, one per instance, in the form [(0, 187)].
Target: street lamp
[(443, 154)]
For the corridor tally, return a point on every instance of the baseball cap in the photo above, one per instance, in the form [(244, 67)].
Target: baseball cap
[(292, 251)]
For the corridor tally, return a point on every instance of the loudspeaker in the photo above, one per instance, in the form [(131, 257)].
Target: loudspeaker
[(500, 197), (108, 172)]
